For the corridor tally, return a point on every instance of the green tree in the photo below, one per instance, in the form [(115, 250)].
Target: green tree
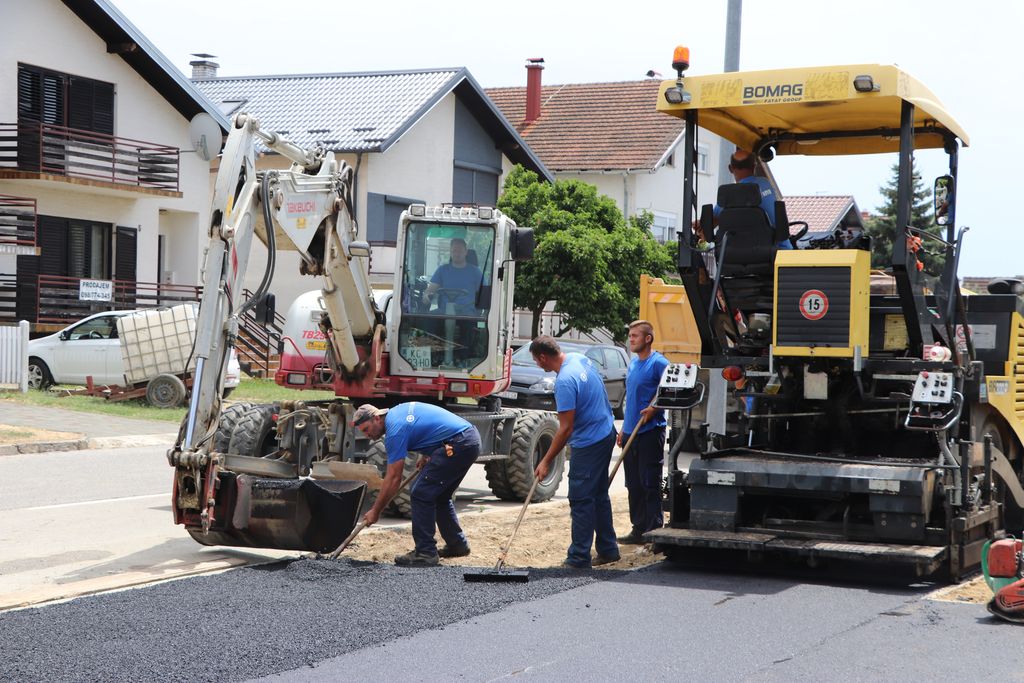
[(588, 258), (882, 227)]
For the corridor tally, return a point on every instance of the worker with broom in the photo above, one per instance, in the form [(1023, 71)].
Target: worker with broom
[(645, 459), (585, 422), (450, 446)]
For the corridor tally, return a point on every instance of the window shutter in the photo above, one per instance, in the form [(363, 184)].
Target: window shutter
[(125, 251), (30, 94), (80, 105), (103, 108), (78, 252)]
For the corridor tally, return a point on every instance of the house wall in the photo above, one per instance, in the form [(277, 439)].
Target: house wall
[(419, 166), (658, 191), (141, 113)]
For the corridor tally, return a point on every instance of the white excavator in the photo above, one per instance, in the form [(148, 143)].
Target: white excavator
[(258, 475)]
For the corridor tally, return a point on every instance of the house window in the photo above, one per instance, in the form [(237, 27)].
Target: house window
[(383, 212), (703, 160), (60, 99), (665, 226)]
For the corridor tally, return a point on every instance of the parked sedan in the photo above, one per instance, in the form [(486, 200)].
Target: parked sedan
[(87, 348), (535, 389)]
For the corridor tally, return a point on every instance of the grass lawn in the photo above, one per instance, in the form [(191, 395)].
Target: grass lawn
[(254, 390)]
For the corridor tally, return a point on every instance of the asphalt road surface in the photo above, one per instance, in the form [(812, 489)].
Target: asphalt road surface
[(339, 620)]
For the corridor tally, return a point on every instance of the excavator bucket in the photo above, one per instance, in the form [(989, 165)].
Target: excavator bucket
[(286, 514)]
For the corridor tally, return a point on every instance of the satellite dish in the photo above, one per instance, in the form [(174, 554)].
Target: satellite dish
[(206, 136)]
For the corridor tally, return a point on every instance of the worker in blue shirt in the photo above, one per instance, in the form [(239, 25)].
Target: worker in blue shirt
[(450, 445), (585, 422), (742, 166), (645, 459), (458, 281)]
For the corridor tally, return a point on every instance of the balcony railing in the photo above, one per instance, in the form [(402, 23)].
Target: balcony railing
[(57, 299), (18, 221), (57, 150)]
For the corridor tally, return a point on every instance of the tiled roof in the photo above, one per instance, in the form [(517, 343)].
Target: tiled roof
[(821, 212), (594, 126), (345, 112)]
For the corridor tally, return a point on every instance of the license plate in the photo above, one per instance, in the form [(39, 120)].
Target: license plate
[(511, 395)]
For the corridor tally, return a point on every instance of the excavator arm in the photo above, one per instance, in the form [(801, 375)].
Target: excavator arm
[(307, 208)]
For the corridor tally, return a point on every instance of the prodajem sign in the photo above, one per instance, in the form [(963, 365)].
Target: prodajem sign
[(96, 290)]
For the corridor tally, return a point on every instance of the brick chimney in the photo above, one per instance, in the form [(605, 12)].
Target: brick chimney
[(203, 67), (533, 68)]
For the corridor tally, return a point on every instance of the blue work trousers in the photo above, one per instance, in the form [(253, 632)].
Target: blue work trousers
[(589, 505), (432, 507), (643, 465)]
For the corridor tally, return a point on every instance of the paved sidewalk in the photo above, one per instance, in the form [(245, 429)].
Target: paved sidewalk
[(97, 430)]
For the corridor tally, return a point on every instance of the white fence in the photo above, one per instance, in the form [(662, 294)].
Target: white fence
[(14, 356)]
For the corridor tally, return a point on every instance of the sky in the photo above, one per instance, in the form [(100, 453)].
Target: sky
[(962, 51)]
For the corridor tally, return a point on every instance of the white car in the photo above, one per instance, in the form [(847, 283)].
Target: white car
[(90, 347)]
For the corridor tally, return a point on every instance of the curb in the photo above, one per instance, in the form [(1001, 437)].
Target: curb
[(89, 443)]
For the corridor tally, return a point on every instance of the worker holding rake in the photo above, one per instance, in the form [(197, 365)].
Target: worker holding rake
[(451, 445)]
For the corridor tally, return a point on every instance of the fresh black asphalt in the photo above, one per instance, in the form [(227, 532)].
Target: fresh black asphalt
[(250, 622)]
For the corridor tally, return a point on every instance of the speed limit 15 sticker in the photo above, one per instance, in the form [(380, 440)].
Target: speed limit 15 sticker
[(813, 304)]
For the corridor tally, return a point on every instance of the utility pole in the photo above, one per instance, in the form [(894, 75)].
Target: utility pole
[(732, 63)]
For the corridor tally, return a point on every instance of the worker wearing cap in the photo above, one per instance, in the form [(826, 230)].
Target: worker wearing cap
[(450, 446), (646, 455), (585, 422)]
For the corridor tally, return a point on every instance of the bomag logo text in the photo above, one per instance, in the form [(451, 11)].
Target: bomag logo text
[(783, 92)]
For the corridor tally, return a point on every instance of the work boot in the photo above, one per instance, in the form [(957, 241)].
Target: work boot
[(416, 559), (632, 538), (572, 565), (602, 559), (460, 550)]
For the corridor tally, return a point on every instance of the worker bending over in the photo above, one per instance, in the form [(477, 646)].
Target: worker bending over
[(450, 446)]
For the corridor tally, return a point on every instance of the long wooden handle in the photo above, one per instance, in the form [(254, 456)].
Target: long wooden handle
[(519, 520), (629, 442), (362, 524)]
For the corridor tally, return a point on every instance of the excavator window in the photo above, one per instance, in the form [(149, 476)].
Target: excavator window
[(446, 295)]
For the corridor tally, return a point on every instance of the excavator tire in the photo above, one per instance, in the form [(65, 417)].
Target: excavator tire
[(226, 425), (401, 506), (255, 433), (511, 479)]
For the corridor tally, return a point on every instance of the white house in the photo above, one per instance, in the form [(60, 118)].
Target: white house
[(97, 177), (424, 136)]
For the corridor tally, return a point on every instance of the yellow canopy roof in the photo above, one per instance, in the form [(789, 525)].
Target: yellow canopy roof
[(745, 107)]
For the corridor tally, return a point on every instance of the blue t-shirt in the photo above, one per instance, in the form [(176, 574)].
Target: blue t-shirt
[(767, 203), (418, 427), (579, 387), (466, 278), (641, 386)]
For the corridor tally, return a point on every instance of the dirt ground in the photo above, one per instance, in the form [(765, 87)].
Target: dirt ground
[(975, 592), (541, 541), (17, 434)]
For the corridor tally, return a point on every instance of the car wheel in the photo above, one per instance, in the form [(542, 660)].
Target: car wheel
[(39, 376), (226, 423), (617, 411), (166, 391)]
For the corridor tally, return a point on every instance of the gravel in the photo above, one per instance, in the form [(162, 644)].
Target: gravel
[(251, 622)]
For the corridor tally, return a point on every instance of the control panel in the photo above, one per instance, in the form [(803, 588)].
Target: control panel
[(679, 387), (679, 376), (933, 387)]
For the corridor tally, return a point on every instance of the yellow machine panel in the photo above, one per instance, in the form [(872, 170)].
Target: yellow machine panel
[(668, 310), (822, 302)]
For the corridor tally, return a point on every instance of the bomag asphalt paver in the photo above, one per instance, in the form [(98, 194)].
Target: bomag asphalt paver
[(837, 423)]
